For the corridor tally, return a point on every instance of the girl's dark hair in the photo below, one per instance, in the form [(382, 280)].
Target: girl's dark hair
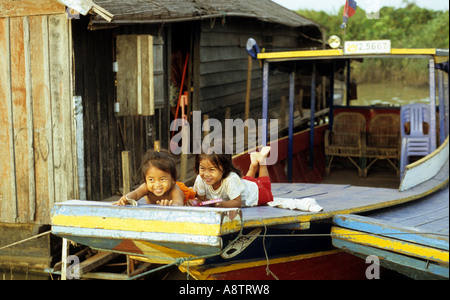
[(221, 161), (160, 160)]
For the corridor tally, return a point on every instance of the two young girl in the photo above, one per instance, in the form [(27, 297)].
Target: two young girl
[(217, 179)]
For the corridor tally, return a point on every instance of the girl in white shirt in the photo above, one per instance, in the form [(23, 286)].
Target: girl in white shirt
[(218, 178)]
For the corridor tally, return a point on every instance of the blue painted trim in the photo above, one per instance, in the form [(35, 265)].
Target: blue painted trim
[(291, 124), (107, 234), (312, 119), (265, 102), (144, 212)]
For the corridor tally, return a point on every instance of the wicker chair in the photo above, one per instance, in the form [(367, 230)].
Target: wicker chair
[(346, 139), (383, 140)]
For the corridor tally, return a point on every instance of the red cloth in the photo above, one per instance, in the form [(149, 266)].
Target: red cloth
[(264, 189)]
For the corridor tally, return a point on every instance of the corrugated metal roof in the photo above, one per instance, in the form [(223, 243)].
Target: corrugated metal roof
[(154, 11)]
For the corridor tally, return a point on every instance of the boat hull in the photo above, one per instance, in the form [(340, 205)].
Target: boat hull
[(326, 265)]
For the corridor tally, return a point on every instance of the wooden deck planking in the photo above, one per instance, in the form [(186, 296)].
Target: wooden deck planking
[(334, 198), (338, 199), (303, 190), (430, 214)]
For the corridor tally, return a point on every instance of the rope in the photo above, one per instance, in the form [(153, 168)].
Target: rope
[(268, 272), (26, 240)]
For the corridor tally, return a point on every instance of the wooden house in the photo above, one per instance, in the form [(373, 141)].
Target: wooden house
[(82, 81)]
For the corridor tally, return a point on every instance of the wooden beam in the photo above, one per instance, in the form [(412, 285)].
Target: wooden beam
[(95, 261)]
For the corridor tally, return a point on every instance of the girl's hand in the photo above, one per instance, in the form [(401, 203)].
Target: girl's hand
[(122, 201), (192, 202), (164, 202)]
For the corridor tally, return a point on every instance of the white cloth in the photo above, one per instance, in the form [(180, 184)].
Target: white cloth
[(305, 204), (231, 188)]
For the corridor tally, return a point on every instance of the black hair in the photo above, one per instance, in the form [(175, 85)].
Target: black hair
[(221, 161), (161, 160)]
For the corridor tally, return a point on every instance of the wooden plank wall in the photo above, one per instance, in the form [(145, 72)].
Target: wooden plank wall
[(37, 165), (106, 134), (223, 68), (94, 82)]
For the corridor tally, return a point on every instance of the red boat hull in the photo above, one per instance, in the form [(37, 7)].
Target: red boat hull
[(331, 265)]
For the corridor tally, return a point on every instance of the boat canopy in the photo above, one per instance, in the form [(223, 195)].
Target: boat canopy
[(339, 54), (325, 62)]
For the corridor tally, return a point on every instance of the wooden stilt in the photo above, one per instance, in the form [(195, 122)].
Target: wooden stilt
[(65, 251), (126, 172)]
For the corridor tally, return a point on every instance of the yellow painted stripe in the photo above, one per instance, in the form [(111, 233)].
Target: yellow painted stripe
[(391, 245), (277, 221), (426, 51), (337, 53), (301, 54), (126, 224)]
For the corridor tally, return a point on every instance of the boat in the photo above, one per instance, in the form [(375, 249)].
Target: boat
[(266, 242), (411, 239)]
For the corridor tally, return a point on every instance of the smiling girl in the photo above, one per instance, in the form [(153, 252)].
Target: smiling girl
[(160, 187), (219, 179)]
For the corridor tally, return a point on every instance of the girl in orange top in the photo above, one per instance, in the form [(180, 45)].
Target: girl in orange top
[(160, 187)]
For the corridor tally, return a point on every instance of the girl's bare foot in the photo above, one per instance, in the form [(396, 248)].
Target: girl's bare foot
[(254, 159), (263, 154)]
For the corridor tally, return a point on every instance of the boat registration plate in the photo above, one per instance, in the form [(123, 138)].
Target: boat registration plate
[(367, 47)]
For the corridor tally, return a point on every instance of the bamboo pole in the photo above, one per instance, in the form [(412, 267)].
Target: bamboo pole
[(126, 173)]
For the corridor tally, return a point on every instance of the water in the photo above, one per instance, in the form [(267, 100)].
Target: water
[(390, 94)]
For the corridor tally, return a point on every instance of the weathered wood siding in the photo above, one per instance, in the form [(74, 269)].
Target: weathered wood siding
[(37, 160), (94, 82), (223, 65), (106, 134)]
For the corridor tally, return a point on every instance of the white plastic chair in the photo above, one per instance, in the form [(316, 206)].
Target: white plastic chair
[(415, 130)]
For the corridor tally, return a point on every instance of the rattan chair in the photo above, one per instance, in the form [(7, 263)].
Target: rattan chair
[(346, 139), (383, 140)]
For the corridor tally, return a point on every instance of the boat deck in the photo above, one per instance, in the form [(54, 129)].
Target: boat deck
[(430, 214), (337, 199)]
